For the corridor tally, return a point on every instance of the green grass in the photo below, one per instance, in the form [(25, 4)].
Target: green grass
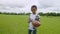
[(17, 24)]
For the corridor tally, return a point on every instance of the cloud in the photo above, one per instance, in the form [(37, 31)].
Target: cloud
[(14, 3), (50, 3), (25, 5)]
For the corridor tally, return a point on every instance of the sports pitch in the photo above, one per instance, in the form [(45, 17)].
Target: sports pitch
[(18, 24)]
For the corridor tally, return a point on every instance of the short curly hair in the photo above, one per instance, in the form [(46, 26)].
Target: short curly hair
[(34, 6)]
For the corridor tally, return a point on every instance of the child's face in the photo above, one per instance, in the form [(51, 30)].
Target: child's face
[(33, 10)]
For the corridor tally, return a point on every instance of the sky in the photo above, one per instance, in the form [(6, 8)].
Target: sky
[(21, 6)]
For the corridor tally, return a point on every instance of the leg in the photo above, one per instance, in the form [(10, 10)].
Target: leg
[(29, 31), (34, 31)]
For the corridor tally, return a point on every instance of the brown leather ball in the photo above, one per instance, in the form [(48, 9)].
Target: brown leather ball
[(36, 23)]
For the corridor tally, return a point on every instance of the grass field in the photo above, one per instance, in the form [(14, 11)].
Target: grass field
[(18, 24)]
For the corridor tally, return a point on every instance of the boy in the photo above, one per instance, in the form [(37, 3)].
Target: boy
[(33, 17)]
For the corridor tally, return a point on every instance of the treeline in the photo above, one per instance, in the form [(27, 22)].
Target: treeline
[(41, 14), (7, 13), (49, 14)]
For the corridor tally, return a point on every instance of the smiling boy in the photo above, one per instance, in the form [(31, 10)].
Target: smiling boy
[(32, 17)]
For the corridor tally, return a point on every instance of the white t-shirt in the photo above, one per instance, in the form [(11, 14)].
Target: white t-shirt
[(32, 17)]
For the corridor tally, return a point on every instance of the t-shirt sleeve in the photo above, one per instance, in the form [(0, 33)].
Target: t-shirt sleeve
[(37, 18)]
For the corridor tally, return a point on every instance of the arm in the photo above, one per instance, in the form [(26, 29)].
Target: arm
[(29, 20), (39, 18)]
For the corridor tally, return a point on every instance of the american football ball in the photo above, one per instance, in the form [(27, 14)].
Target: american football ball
[(36, 23)]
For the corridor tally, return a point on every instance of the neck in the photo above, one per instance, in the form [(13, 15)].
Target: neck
[(34, 13)]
